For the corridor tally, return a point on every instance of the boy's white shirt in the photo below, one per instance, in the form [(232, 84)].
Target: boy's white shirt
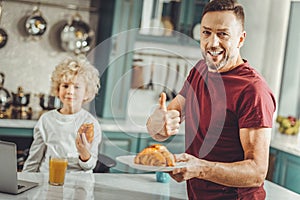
[(55, 134)]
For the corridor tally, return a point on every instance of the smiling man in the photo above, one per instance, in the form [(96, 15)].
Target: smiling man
[(228, 111), (222, 35)]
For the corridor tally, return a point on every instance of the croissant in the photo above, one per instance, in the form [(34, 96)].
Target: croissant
[(88, 129), (155, 155)]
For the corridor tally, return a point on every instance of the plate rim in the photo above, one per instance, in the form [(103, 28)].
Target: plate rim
[(146, 167)]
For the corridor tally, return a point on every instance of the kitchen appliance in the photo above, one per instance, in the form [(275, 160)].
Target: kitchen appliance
[(20, 102), (3, 34), (77, 36), (48, 102), (36, 24), (5, 98)]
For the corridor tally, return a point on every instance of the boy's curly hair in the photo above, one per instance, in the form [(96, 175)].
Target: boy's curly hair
[(69, 69)]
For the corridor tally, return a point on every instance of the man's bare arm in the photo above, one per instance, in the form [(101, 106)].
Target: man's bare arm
[(250, 172)]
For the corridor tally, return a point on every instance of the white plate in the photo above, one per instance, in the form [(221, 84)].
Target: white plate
[(129, 160)]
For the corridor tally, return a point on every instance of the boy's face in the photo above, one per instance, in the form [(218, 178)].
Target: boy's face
[(72, 94)]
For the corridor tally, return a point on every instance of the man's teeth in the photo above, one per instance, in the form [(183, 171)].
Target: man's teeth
[(215, 53)]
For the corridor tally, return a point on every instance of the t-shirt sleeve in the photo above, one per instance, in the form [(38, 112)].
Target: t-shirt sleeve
[(187, 83), (183, 91), (256, 107)]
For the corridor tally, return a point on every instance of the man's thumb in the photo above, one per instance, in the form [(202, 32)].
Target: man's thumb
[(162, 101)]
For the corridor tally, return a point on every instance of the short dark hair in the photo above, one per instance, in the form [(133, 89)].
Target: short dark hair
[(226, 5)]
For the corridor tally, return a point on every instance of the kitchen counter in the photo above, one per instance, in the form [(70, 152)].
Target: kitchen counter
[(287, 143), (17, 123), (119, 186), (132, 125)]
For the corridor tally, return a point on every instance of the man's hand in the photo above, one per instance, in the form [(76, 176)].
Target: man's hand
[(163, 123), (194, 167)]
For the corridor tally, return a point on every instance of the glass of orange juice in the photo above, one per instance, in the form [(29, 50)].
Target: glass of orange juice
[(57, 170)]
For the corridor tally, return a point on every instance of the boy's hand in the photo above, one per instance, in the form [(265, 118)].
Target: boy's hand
[(83, 147)]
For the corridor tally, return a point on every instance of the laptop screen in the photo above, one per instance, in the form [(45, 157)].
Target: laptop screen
[(8, 167)]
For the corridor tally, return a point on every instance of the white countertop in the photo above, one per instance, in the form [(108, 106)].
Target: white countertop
[(17, 123), (119, 186), (287, 143), (132, 125)]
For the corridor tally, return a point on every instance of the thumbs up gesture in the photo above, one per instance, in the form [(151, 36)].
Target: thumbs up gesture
[(163, 122)]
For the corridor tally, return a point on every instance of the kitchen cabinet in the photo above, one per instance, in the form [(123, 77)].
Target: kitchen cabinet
[(181, 16), (286, 170), (19, 132), (116, 144), (23, 137), (272, 165)]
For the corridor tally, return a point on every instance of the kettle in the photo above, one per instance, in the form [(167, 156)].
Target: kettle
[(48, 102), (5, 97), (20, 98)]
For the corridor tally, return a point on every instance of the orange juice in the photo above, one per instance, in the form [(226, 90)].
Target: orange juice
[(57, 170)]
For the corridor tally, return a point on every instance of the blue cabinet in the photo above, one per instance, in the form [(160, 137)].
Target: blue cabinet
[(286, 170), (20, 132), (273, 166), (180, 16), (116, 144), (23, 137)]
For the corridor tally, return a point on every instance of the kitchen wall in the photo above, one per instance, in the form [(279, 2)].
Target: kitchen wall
[(27, 62), (290, 93), (266, 25)]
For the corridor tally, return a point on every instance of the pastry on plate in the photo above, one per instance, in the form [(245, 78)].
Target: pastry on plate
[(155, 155)]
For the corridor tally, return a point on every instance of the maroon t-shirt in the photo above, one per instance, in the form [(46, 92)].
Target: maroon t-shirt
[(217, 106)]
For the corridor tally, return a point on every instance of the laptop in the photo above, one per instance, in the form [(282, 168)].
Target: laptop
[(9, 182)]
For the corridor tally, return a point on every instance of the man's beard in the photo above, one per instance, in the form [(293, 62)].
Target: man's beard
[(215, 66)]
